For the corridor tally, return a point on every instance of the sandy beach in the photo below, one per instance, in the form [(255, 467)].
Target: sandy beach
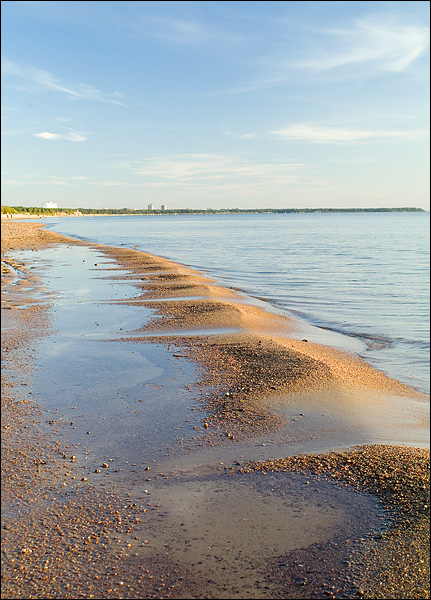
[(233, 461)]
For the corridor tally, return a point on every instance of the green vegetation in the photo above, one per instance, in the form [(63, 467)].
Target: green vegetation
[(33, 210)]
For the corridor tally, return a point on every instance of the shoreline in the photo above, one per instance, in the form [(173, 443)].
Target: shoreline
[(165, 211), (237, 370)]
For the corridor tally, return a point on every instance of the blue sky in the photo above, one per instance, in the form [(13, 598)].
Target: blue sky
[(215, 104)]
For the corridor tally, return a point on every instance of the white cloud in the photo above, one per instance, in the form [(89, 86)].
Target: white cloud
[(174, 30), (72, 136), (198, 168), (50, 180), (31, 79), (110, 183), (186, 32), (321, 134), (387, 46), (240, 136)]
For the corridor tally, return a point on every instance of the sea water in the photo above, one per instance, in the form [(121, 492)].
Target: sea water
[(364, 276)]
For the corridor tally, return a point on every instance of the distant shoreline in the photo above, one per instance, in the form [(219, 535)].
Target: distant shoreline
[(11, 212)]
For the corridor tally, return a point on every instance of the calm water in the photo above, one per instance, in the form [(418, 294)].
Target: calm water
[(362, 275)]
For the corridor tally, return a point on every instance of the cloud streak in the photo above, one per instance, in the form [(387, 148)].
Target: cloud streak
[(200, 168), (183, 31), (31, 79), (48, 180), (367, 47), (320, 134), (386, 46), (73, 136)]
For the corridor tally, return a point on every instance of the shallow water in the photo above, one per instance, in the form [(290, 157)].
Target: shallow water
[(231, 532), (96, 371), (363, 276)]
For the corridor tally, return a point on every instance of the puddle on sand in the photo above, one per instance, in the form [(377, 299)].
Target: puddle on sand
[(126, 400), (230, 531), (74, 273)]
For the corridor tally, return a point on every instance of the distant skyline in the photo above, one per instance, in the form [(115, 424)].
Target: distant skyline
[(215, 104)]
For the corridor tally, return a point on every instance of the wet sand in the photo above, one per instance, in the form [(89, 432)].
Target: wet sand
[(67, 535)]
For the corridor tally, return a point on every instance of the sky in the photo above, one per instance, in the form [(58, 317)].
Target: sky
[(215, 104)]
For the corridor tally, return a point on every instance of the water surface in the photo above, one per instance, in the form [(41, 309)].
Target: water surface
[(362, 275)]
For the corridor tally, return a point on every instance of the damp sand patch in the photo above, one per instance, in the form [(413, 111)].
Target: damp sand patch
[(395, 563), (233, 531)]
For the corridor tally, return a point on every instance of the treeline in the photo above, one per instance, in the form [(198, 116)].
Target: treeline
[(33, 210)]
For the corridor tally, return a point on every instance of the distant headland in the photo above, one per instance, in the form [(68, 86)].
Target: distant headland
[(34, 211)]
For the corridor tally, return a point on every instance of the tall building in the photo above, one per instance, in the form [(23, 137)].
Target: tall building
[(164, 207), (151, 207)]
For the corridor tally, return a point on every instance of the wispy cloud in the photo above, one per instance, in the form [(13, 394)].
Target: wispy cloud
[(240, 136), (386, 46), (111, 183), (320, 134), (31, 79), (47, 180), (72, 136), (183, 31), (366, 47), (194, 168)]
